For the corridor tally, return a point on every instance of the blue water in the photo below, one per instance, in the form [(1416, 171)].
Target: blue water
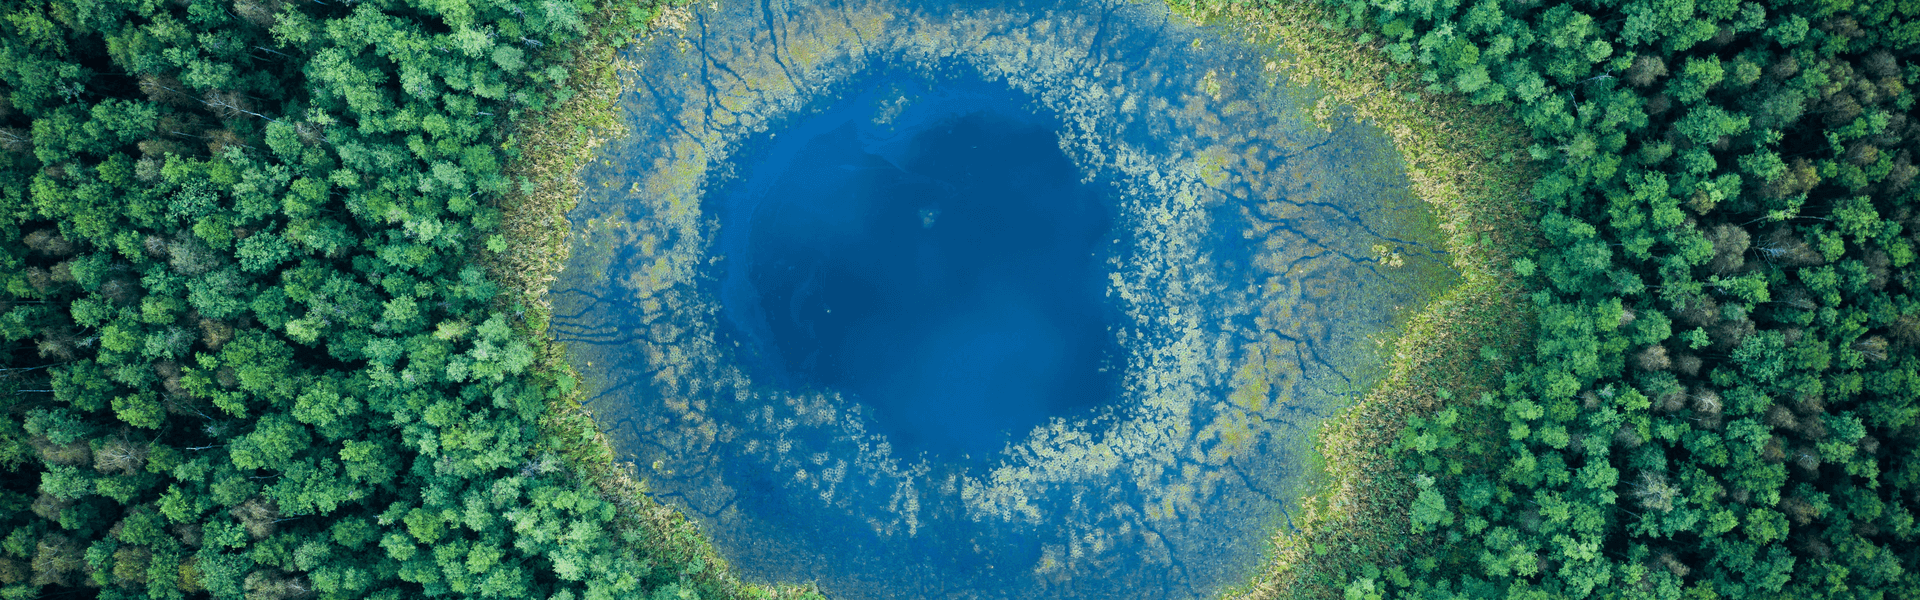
[(950, 275), (997, 299)]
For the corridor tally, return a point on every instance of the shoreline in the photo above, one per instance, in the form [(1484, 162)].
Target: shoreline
[(535, 229), (1353, 512)]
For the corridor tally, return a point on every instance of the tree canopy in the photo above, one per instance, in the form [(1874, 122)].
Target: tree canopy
[(252, 348)]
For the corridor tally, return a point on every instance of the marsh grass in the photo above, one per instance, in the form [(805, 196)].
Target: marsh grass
[(1464, 162)]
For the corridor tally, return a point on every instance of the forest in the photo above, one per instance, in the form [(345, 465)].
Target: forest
[(265, 336), (255, 341)]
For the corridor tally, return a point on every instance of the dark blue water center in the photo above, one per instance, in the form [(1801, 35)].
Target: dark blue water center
[(946, 269)]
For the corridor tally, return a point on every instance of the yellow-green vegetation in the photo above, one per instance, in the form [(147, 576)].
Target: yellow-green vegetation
[(1469, 164)]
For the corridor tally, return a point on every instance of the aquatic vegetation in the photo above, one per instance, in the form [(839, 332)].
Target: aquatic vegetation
[(1267, 249)]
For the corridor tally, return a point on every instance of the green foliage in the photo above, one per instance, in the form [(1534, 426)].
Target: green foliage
[(1729, 217), (250, 348)]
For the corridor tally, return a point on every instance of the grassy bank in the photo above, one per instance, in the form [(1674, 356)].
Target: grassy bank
[(1468, 164)]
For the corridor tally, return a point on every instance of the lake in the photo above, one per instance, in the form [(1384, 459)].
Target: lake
[(987, 300)]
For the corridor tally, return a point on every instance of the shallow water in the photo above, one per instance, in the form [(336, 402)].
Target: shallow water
[(988, 301)]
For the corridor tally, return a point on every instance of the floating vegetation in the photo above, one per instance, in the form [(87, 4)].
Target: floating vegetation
[(1268, 248)]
